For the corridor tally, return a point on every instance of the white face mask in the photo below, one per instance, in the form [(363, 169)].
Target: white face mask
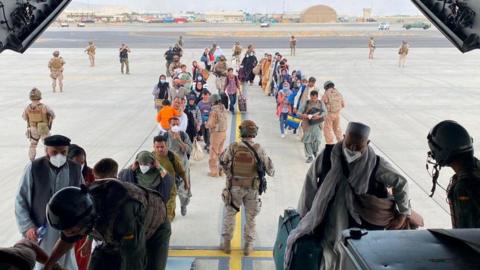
[(162, 81), (58, 160), (175, 129), (350, 155), (144, 168)]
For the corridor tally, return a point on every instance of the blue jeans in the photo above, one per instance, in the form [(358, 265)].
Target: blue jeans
[(233, 100), (283, 122)]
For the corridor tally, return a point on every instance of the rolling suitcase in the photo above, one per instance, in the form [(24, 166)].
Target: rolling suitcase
[(242, 103)]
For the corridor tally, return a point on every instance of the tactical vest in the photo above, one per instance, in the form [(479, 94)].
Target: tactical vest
[(57, 63), (222, 120), (463, 195), (244, 166), (110, 195), (237, 50), (335, 99), (42, 187), (91, 50), (36, 114)]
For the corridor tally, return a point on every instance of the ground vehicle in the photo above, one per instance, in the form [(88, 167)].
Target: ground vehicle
[(80, 24), (384, 26), (64, 24), (419, 24), (264, 25)]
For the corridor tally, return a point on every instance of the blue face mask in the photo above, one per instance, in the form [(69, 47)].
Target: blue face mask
[(163, 81)]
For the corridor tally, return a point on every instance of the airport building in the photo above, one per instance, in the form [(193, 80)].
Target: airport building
[(318, 14)]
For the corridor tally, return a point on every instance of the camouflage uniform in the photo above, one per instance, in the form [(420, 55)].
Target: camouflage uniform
[(56, 72), (464, 198), (248, 196), (217, 125), (90, 50), (34, 114), (332, 120)]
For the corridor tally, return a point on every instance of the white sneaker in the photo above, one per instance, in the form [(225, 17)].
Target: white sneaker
[(283, 136)]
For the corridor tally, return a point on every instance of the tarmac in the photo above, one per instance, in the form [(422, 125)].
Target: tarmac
[(112, 115)]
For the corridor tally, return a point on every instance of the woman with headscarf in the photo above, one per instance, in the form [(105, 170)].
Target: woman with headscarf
[(78, 155), (205, 58), (248, 63), (160, 91)]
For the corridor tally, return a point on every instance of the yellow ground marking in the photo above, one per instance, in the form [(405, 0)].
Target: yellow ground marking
[(235, 258)]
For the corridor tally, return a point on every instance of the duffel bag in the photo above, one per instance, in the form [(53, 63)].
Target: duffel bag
[(286, 223)]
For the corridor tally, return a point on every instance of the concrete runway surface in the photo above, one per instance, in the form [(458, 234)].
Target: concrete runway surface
[(112, 115)]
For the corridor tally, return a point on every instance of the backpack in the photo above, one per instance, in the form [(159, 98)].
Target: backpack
[(237, 50), (57, 63), (335, 99), (221, 125), (244, 162)]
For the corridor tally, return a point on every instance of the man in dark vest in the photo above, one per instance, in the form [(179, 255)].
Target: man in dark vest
[(129, 220), (42, 178)]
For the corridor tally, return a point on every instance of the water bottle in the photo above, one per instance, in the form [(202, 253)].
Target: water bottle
[(41, 232)]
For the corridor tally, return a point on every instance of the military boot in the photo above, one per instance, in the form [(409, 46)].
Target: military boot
[(248, 249), (227, 248)]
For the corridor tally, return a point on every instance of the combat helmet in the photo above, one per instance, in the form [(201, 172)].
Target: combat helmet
[(248, 129), (35, 94), (70, 207), (328, 84), (214, 98), (448, 139)]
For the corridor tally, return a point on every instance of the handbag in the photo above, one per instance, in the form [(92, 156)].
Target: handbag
[(197, 151)]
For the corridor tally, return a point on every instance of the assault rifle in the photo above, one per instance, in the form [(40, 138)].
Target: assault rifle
[(261, 170)]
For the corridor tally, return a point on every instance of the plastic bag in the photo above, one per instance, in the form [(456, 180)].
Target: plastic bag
[(197, 152)]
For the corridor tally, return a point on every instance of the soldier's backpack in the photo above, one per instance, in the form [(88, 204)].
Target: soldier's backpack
[(38, 118), (221, 125), (334, 101), (57, 63), (244, 167), (237, 50)]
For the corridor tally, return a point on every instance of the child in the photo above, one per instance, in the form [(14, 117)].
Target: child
[(283, 106)]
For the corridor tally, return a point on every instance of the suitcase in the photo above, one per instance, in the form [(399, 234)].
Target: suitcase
[(307, 251), (293, 121), (286, 224), (242, 103)]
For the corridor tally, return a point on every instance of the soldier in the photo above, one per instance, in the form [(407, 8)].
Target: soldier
[(335, 103), (124, 51), (90, 50), (217, 125), (451, 146), (56, 70), (402, 54), (371, 47), (130, 221), (293, 45), (241, 161), (39, 119)]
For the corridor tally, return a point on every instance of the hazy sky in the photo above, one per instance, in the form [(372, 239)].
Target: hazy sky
[(343, 7)]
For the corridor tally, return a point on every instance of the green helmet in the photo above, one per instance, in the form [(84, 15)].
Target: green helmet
[(328, 85), (448, 139), (70, 207), (215, 98), (35, 94), (248, 129)]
